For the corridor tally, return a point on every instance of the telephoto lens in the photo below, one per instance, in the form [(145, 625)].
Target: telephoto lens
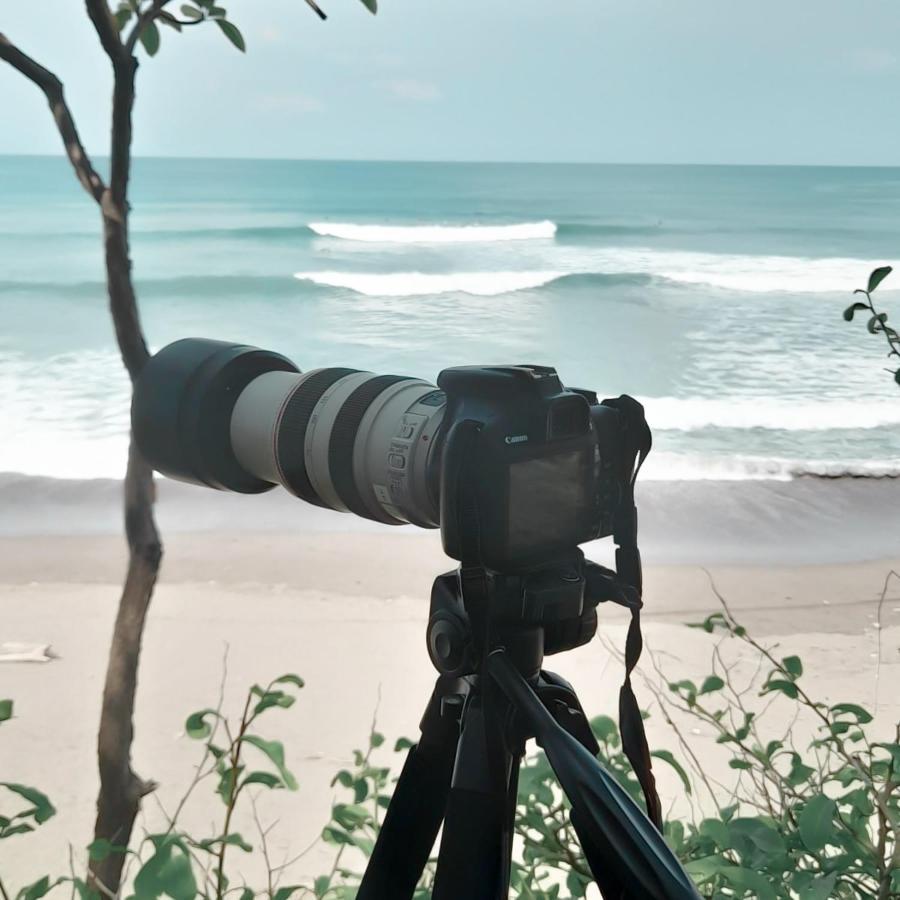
[(238, 418)]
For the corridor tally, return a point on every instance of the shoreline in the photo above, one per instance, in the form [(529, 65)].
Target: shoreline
[(804, 521)]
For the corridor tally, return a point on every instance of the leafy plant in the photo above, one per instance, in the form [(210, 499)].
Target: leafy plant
[(877, 322), (814, 821)]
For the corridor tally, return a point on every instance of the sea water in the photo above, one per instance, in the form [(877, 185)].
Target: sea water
[(713, 294)]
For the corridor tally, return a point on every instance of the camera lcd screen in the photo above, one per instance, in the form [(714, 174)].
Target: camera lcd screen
[(548, 500)]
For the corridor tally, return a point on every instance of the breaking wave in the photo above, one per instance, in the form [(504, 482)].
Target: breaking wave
[(410, 284), (434, 234)]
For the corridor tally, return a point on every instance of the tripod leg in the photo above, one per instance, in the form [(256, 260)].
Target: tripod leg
[(509, 825), (417, 807), (475, 840), (621, 844)]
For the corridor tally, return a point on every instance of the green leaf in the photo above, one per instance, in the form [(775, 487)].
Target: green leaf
[(21, 828), (321, 885), (716, 830), (38, 889), (811, 886), (42, 809), (231, 32), (667, 757), (712, 683), (876, 323), (371, 6), (121, 16), (777, 684), (877, 276), (269, 699), (738, 763), (166, 18), (275, 751), (264, 778), (166, 872), (360, 790), (749, 881), (332, 835), (894, 751), (403, 744), (228, 782), (231, 840), (605, 730), (816, 821), (150, 38), (191, 12), (6, 710), (800, 772), (850, 310), (863, 716), (284, 893), (793, 665), (196, 725), (350, 816), (290, 678)]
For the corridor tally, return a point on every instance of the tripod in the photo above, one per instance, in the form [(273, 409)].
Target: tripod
[(487, 636)]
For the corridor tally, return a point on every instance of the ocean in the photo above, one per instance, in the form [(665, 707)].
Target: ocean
[(711, 293)]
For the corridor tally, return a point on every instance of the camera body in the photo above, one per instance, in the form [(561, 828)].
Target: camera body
[(528, 467)]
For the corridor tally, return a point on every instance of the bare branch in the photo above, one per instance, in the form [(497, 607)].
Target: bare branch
[(317, 10), (53, 90)]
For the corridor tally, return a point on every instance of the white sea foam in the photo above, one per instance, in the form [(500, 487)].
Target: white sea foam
[(410, 284), (662, 466), (691, 414), (750, 274), (728, 271), (434, 234)]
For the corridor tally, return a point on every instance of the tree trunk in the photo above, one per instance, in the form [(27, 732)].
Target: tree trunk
[(121, 788)]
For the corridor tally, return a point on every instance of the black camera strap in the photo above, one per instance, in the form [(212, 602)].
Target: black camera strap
[(637, 441)]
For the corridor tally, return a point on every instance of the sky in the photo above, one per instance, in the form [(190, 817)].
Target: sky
[(806, 82)]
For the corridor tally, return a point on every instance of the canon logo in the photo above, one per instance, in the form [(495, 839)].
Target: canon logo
[(516, 438)]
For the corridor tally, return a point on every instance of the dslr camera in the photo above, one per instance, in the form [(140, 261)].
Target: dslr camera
[(513, 467)]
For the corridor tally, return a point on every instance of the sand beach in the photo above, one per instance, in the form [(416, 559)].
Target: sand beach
[(284, 587)]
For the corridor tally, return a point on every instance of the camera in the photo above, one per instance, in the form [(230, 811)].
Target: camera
[(513, 467)]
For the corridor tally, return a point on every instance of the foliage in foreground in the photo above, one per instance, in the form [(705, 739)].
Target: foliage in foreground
[(877, 322), (812, 821)]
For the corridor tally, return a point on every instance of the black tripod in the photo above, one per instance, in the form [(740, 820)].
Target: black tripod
[(487, 636)]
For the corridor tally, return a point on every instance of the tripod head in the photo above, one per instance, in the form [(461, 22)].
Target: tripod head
[(546, 611)]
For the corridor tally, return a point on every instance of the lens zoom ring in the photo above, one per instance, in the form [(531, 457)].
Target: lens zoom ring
[(290, 449), (343, 440)]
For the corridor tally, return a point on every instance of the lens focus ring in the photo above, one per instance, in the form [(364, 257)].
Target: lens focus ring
[(291, 442), (343, 441)]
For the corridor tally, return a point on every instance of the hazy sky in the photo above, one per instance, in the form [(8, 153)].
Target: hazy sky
[(795, 81)]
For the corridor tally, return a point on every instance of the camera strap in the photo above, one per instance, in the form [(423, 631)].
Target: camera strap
[(637, 441)]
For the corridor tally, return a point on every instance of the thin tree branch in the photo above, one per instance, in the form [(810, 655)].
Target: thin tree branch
[(105, 25), (53, 90)]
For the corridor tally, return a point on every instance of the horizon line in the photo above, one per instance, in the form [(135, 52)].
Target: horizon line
[(471, 162)]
